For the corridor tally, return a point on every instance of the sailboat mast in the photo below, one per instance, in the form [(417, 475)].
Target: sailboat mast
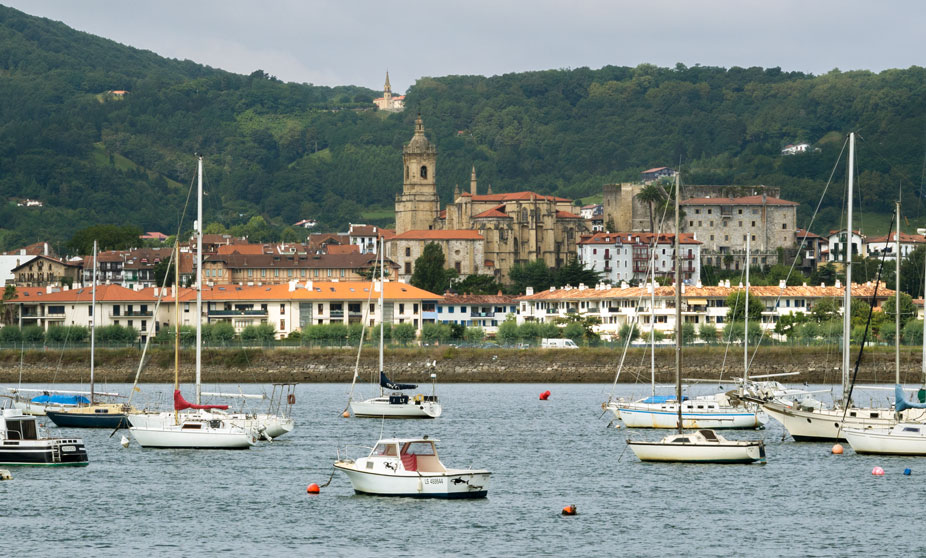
[(847, 303), (897, 299), (93, 324), (924, 328), (652, 317), (199, 280), (678, 305), (746, 322), (177, 324), (382, 307)]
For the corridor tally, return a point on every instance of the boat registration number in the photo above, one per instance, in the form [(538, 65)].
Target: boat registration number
[(68, 448), (434, 481)]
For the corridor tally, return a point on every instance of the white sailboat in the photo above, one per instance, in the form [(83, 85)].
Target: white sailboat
[(395, 404), (805, 423), (711, 411), (410, 467), (905, 438), (703, 446), (191, 430)]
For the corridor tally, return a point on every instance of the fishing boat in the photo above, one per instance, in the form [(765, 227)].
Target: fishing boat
[(395, 404), (191, 430), (805, 423), (410, 467), (703, 446), (93, 413), (21, 443)]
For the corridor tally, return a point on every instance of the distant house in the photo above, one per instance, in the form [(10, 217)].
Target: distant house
[(306, 223), (656, 173), (836, 245), (795, 149), (160, 237)]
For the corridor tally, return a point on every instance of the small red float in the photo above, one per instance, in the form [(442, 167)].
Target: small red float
[(313, 489), (569, 510), (545, 395)]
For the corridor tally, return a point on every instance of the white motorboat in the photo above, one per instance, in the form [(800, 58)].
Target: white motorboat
[(22, 443), (701, 446), (410, 467), (395, 404), (905, 438)]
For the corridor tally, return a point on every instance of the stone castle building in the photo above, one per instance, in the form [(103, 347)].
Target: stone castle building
[(389, 102), (490, 233)]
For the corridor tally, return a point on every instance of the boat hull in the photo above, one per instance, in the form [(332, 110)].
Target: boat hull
[(178, 439), (639, 417), (56, 452), (827, 424), (452, 484), (77, 419), (271, 425), (883, 442), (380, 407), (711, 453)]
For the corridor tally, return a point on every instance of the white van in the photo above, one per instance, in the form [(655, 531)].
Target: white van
[(558, 344)]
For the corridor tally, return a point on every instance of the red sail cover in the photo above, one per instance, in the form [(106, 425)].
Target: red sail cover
[(180, 403)]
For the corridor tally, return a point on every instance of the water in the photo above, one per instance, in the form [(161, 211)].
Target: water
[(544, 455)]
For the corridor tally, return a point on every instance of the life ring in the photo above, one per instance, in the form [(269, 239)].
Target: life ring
[(291, 398), (419, 398)]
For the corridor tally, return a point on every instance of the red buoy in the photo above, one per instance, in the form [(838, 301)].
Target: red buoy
[(545, 395), (313, 489), (569, 510)]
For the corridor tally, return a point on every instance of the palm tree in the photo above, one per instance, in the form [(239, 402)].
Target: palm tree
[(651, 194), (9, 309)]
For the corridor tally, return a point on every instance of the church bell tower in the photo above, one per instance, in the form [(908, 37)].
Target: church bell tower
[(417, 207)]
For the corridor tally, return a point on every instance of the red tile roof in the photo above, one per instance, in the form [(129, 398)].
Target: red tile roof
[(567, 215), (478, 299), (654, 169), (348, 249), (514, 196), (904, 238), (494, 213), (439, 235)]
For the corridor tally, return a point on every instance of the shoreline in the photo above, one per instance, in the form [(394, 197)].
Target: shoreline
[(816, 365)]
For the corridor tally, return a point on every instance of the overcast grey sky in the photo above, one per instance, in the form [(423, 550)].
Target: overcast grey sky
[(353, 42)]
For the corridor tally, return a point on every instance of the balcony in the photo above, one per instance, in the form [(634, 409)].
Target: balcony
[(336, 314), (233, 313), (482, 314), (135, 314)]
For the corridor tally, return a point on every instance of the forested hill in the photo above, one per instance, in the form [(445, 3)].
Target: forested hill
[(287, 151)]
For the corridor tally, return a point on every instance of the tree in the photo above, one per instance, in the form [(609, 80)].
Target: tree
[(575, 273), (736, 306), (708, 333), (628, 330), (786, 324), (10, 335), (474, 335), (574, 331), (507, 332), (911, 272), (688, 333), (404, 333), (161, 269), (651, 194), (824, 310), (430, 273), (533, 274), (108, 237), (478, 285), (912, 333), (907, 309), (9, 307)]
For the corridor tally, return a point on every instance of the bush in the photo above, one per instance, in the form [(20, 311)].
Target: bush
[(222, 332), (431, 333), (688, 333), (913, 333), (387, 333), (507, 332), (631, 331), (353, 333), (404, 333), (117, 334), (529, 332), (474, 335), (261, 333), (10, 334), (888, 333), (574, 331), (33, 334), (708, 333), (549, 330), (67, 334)]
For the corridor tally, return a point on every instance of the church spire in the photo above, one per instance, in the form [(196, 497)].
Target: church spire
[(472, 181), (387, 88)]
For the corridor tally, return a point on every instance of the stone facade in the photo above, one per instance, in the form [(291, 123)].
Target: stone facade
[(464, 251), (417, 206)]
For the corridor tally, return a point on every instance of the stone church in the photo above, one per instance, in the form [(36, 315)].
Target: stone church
[(479, 233)]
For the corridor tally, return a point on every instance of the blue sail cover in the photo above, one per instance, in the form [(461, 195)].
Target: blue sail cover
[(900, 403), (658, 399), (61, 400), (388, 384)]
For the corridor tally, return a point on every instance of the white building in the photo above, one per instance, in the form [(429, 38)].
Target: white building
[(887, 245), (485, 311), (627, 256), (836, 245)]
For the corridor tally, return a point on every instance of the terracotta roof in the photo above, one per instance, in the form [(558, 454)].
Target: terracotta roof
[(494, 213), (644, 238), (34, 249), (904, 238), (801, 233), (442, 214), (772, 291), (464, 234), (348, 249), (250, 249), (567, 215), (84, 294), (370, 230), (154, 235), (745, 200), (76, 263), (221, 239), (654, 169), (514, 196)]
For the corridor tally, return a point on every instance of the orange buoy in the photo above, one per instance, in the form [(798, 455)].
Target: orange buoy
[(569, 510), (346, 414), (837, 449), (545, 395), (313, 489)]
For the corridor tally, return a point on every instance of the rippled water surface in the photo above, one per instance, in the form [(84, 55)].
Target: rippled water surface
[(543, 455)]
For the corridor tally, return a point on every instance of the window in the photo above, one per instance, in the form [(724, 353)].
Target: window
[(90, 310), (710, 223), (282, 325), (424, 171), (263, 273), (753, 237), (690, 223), (740, 223), (401, 308), (699, 223), (709, 211), (372, 308), (450, 309), (784, 226), (753, 223), (697, 212), (321, 308), (712, 237), (408, 267), (415, 308), (116, 309), (457, 266), (144, 325), (408, 252), (739, 211), (282, 310)]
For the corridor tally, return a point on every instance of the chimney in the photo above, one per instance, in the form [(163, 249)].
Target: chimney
[(698, 284), (782, 284), (472, 181), (582, 286), (292, 285), (308, 285), (528, 291), (838, 283)]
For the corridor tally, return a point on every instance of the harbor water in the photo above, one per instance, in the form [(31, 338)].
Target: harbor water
[(544, 455)]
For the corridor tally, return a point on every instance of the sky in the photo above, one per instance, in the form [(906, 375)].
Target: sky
[(354, 42)]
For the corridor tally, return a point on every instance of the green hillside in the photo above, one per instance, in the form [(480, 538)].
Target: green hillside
[(287, 151)]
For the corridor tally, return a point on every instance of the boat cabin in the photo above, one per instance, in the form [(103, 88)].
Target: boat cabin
[(17, 426), (418, 455)]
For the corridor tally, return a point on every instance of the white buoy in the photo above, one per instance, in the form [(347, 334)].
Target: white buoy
[(5, 475), (124, 441)]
